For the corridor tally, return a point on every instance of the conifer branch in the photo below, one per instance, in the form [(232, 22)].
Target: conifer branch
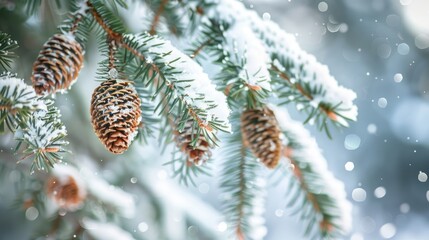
[(243, 188), (17, 102), (34, 120), (243, 76), (171, 14), (43, 138), (330, 113), (201, 47), (76, 19), (142, 45), (312, 88), (7, 54), (314, 192)]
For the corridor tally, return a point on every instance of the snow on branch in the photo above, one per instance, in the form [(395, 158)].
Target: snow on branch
[(43, 137), (293, 69), (243, 190), (7, 47), (184, 80), (180, 81), (243, 74), (17, 101), (316, 194), (109, 195), (105, 230), (243, 42)]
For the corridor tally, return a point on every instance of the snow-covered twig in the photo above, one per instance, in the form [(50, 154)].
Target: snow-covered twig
[(43, 137), (17, 101), (295, 73), (316, 193)]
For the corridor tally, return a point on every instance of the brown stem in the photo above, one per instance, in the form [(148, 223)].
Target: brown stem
[(239, 231), (300, 89), (119, 40), (75, 24), (49, 150), (9, 109), (110, 32), (288, 153), (157, 17), (55, 225), (112, 50), (240, 234), (198, 50), (41, 150)]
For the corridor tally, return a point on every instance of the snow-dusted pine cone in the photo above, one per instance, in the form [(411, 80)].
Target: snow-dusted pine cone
[(261, 133), (58, 64), (66, 188), (197, 154), (115, 114)]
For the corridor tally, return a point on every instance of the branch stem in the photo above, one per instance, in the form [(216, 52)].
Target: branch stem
[(157, 17), (304, 93), (119, 40), (288, 153), (198, 50), (239, 231), (75, 24)]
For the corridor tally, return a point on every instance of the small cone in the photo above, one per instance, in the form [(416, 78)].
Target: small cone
[(58, 65), (115, 114), (261, 134), (198, 154), (65, 192)]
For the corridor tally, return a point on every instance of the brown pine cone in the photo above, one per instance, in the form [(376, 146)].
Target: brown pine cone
[(115, 114), (198, 154), (261, 133), (65, 189), (58, 64)]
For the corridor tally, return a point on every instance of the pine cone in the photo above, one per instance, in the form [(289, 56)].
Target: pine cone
[(115, 114), (58, 65), (261, 134), (197, 154), (64, 189)]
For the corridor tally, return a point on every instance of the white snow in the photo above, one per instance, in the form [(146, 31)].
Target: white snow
[(307, 153), (192, 83), (82, 8), (105, 231), (110, 195), (63, 173), (243, 42), (23, 95), (303, 66), (42, 132)]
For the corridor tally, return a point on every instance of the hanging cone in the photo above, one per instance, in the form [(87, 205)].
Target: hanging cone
[(198, 154), (65, 189), (115, 114), (58, 65), (261, 134)]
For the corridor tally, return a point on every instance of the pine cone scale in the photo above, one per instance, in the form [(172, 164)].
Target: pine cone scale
[(115, 114), (58, 65), (261, 134), (196, 154)]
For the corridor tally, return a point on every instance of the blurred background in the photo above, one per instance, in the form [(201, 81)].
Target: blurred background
[(378, 48)]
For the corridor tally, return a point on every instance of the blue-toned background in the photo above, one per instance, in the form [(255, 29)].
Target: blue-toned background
[(378, 48)]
